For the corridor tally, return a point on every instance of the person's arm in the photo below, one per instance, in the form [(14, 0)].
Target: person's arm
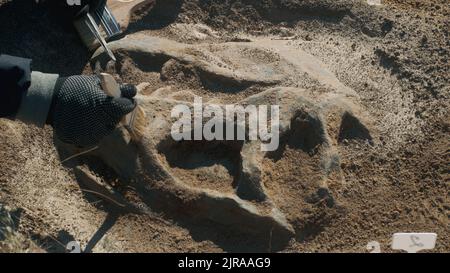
[(15, 79), (78, 109), (15, 72)]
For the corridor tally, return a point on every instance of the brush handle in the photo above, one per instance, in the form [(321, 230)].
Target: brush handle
[(109, 85), (112, 88)]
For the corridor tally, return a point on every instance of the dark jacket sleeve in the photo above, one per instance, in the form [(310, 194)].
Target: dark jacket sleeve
[(15, 79)]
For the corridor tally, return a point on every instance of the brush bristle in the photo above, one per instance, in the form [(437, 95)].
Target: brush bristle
[(139, 124)]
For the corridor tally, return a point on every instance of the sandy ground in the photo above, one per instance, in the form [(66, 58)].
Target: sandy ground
[(394, 58)]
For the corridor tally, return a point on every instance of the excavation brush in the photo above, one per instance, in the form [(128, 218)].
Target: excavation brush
[(135, 122)]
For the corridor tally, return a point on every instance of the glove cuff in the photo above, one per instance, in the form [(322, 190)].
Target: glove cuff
[(36, 102)]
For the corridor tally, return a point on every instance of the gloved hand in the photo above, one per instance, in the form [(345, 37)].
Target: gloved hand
[(77, 108), (82, 114)]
